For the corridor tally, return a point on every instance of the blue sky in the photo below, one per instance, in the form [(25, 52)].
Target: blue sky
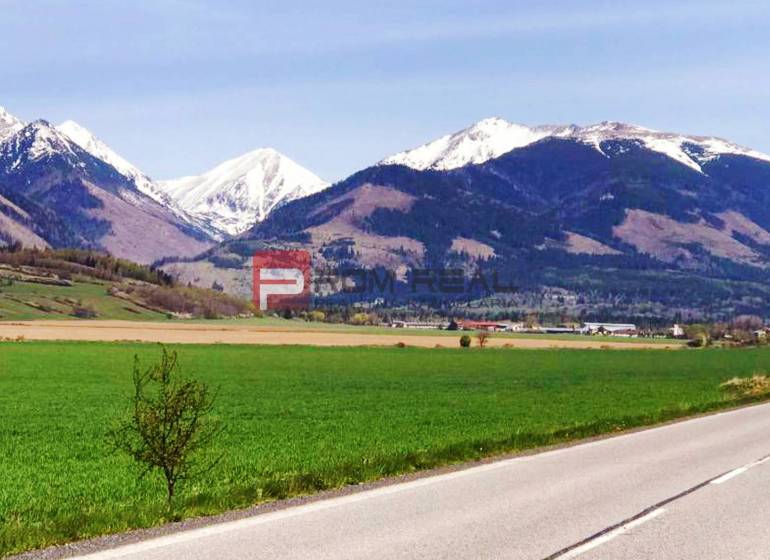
[(177, 86)]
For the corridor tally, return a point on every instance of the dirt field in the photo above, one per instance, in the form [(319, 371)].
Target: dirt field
[(231, 334)]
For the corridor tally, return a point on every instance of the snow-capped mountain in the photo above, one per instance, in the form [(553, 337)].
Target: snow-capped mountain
[(240, 192), (91, 144), (491, 138), (37, 142), (220, 203), (618, 219), (53, 193), (143, 183), (9, 125), (478, 143)]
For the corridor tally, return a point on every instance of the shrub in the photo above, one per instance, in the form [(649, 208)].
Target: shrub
[(316, 316), (482, 337), (84, 312), (699, 340), (465, 341), (169, 423), (755, 386), (362, 319), (190, 300)]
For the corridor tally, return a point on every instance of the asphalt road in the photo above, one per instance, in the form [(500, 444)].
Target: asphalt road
[(669, 492)]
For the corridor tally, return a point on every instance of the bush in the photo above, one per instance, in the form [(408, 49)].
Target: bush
[(169, 423), (84, 312), (699, 340), (316, 316), (482, 337), (465, 341), (190, 300), (363, 319), (755, 386)]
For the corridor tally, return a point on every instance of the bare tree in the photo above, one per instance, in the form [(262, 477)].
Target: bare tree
[(482, 337), (169, 423)]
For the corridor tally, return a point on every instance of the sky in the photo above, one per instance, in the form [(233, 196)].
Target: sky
[(178, 86)]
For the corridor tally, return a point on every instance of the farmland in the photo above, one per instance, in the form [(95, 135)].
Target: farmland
[(302, 419), (293, 333)]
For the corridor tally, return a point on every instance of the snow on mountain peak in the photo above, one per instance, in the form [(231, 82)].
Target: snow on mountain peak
[(38, 140), (236, 194), (9, 125), (91, 144), (493, 137), (485, 140)]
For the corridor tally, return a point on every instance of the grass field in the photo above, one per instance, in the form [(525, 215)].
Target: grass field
[(302, 419), (24, 301)]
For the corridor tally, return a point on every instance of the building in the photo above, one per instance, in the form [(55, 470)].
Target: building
[(511, 326), (677, 331), (612, 329), (559, 330), (417, 325), (492, 326)]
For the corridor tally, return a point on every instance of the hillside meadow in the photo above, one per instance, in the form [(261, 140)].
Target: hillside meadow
[(301, 419)]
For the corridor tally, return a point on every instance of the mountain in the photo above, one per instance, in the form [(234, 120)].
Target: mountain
[(236, 194), (607, 220), (9, 125), (91, 144), (478, 143), (491, 138), (55, 193), (144, 184)]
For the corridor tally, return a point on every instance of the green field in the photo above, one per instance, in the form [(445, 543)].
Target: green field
[(26, 301), (300, 419)]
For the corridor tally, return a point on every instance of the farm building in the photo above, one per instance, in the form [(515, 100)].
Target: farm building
[(494, 326), (613, 329), (417, 325)]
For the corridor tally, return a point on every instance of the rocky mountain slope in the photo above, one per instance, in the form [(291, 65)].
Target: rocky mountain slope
[(613, 217)]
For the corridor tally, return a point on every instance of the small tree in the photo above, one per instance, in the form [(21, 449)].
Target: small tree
[(169, 423), (465, 341), (482, 337)]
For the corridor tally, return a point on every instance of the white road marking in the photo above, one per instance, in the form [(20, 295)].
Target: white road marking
[(740, 470), (598, 541), (731, 474)]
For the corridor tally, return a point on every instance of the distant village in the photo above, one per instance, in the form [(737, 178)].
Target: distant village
[(624, 330)]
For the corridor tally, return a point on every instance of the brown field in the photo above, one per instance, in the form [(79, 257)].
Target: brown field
[(234, 334)]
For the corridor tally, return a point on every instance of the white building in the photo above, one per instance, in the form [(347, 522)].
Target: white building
[(677, 331), (613, 329), (418, 325)]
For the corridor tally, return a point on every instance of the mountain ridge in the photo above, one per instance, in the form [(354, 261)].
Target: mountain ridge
[(611, 221), (493, 137)]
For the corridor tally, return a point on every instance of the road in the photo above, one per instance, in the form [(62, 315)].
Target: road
[(692, 490)]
